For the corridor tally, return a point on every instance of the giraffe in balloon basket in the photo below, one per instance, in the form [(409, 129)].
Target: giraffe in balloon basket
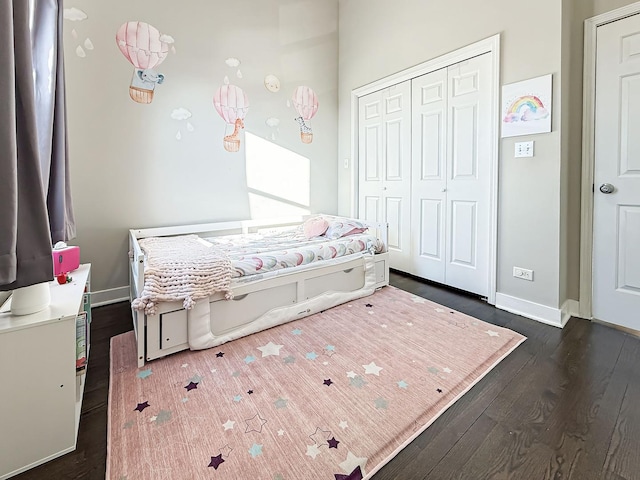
[(232, 142), (306, 134)]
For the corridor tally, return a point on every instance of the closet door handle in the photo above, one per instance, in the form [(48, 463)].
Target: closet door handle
[(443, 189)]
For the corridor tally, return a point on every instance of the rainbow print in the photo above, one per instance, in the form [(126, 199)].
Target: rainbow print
[(526, 108)]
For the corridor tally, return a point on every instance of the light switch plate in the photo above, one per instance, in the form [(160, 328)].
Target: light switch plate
[(524, 149)]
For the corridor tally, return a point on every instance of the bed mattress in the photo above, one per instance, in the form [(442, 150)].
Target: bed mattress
[(263, 253)]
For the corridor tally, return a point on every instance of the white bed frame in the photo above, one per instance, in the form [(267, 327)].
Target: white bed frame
[(288, 295)]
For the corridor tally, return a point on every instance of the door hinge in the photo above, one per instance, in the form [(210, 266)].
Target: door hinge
[(593, 188)]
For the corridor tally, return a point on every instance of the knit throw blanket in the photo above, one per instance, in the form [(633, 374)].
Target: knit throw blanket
[(181, 268)]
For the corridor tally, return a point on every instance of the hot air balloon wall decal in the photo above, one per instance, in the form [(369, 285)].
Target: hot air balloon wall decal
[(144, 46), (305, 101), (232, 105)]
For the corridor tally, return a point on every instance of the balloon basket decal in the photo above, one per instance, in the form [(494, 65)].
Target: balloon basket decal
[(305, 101), (140, 95), (232, 105), (231, 145), (145, 48)]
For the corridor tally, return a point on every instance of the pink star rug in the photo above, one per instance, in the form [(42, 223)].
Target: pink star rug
[(332, 396)]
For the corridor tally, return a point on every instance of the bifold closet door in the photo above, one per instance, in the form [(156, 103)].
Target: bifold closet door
[(384, 166), (451, 176)]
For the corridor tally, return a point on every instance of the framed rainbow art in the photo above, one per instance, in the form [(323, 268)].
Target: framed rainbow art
[(526, 107)]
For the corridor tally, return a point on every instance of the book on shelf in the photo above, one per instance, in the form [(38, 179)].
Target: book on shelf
[(82, 333)]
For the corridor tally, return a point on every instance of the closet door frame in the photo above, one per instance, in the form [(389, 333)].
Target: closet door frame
[(489, 45)]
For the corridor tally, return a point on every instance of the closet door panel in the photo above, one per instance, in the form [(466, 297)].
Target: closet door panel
[(428, 175), (370, 157), (384, 178), (396, 189), (463, 233), (468, 169)]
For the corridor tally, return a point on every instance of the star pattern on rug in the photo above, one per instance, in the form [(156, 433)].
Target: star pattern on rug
[(236, 373), (343, 424), (372, 369), (228, 425), (144, 373), (296, 331), (255, 423), (384, 325), (368, 305), (433, 370), (141, 406), (491, 333), (381, 403), (237, 398), (330, 348), (357, 382), (191, 386), (226, 451), (281, 403), (351, 374), (320, 437), (216, 461), (289, 359), (220, 354), (446, 370), (327, 382), (313, 451), (270, 349), (355, 475), (163, 417), (440, 310), (416, 299), (403, 384), (280, 433), (409, 324), (333, 443), (249, 359), (255, 450), (196, 378), (439, 390), (311, 355), (249, 392), (352, 462)]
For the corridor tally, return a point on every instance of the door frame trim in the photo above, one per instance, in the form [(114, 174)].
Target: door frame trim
[(489, 45), (588, 150)]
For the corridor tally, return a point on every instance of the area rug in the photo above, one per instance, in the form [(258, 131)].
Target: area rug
[(332, 396)]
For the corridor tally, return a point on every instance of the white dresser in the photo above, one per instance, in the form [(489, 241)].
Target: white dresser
[(40, 387)]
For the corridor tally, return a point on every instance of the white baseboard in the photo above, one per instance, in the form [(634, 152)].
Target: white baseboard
[(109, 296), (535, 311), (570, 308)]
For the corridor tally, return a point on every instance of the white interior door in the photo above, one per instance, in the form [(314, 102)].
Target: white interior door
[(616, 222), (429, 175), (384, 134), (451, 177), (468, 186)]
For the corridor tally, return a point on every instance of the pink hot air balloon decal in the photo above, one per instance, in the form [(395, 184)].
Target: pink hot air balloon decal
[(144, 46), (305, 102), (232, 105)]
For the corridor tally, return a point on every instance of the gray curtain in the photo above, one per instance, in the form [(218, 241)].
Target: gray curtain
[(35, 199)]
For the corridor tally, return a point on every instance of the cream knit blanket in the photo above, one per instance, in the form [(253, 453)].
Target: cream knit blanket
[(181, 268)]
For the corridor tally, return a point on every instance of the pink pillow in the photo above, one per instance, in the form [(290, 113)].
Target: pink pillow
[(314, 227), (343, 227)]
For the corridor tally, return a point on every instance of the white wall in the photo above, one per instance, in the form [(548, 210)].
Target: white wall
[(129, 170), (381, 37)]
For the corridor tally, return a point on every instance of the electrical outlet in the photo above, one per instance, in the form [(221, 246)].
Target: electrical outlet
[(523, 273), (524, 149)]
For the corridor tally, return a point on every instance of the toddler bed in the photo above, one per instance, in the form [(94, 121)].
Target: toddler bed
[(259, 273)]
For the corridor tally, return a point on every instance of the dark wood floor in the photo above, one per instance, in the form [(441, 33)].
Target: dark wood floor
[(561, 406)]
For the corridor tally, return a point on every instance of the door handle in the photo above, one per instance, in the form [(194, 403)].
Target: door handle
[(607, 188)]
